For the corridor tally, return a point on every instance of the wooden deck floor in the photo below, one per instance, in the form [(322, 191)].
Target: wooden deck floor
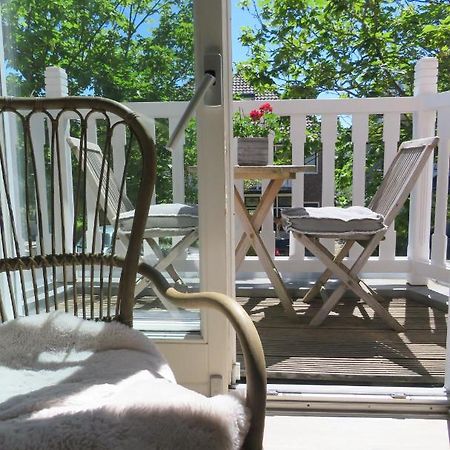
[(352, 346)]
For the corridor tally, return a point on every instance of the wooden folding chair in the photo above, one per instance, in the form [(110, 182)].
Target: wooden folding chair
[(366, 226), (164, 220)]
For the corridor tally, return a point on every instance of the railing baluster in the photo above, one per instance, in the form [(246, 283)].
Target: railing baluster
[(439, 237), (328, 135), (178, 194), (63, 196), (298, 140), (267, 231), (360, 132), (391, 137), (328, 138), (8, 300), (238, 229), (31, 203), (360, 135)]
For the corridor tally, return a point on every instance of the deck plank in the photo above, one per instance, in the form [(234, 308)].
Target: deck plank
[(352, 345)]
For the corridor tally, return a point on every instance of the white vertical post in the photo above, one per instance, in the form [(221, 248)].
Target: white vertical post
[(118, 143), (439, 238), (447, 359), (91, 197), (360, 133), (178, 194), (56, 84), (6, 142), (391, 136), (328, 136), (298, 139), (425, 83), (238, 228), (38, 138), (215, 184), (267, 231)]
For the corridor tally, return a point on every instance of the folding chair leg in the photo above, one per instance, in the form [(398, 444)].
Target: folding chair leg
[(366, 295), (161, 256), (165, 261), (357, 266), (375, 294), (328, 306), (142, 283), (320, 283), (349, 278)]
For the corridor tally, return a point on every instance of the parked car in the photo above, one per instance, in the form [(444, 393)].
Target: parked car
[(282, 244)]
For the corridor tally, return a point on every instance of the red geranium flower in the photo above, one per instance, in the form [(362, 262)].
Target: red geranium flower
[(256, 114), (266, 107), (259, 123)]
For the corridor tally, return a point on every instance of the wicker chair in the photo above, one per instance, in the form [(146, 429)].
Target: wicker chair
[(54, 248)]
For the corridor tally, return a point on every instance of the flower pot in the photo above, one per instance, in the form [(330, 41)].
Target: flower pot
[(253, 151)]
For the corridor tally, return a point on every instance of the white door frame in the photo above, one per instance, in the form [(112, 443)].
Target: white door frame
[(206, 365), (213, 35)]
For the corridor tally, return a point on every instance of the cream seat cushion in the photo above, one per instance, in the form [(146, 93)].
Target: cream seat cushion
[(165, 219), (332, 220)]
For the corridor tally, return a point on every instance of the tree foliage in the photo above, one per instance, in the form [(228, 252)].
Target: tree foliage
[(127, 50), (121, 49), (362, 48)]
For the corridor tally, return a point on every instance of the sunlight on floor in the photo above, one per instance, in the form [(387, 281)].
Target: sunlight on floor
[(286, 432)]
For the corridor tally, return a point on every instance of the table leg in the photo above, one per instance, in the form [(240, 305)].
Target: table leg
[(266, 261), (257, 218)]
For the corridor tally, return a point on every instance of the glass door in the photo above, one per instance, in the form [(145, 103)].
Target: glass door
[(142, 53)]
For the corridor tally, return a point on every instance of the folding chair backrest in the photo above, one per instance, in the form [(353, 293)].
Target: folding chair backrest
[(401, 177), (101, 178)]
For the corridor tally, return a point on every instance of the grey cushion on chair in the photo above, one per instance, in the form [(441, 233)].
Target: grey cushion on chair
[(165, 219), (333, 220)]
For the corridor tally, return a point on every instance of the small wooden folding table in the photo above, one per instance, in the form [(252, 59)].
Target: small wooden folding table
[(252, 223)]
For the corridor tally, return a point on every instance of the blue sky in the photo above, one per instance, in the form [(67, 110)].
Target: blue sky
[(239, 18)]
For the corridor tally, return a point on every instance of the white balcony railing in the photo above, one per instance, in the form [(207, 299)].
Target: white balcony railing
[(430, 112)]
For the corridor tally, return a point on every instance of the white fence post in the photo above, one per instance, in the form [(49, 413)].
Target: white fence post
[(56, 82), (439, 238), (298, 140), (425, 83), (391, 136), (178, 195)]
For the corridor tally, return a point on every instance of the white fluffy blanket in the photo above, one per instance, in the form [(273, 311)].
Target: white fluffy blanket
[(71, 384)]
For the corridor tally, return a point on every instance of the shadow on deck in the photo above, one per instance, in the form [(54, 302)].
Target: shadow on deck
[(352, 345)]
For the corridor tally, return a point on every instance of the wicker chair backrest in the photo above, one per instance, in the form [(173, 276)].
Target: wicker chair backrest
[(57, 244)]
